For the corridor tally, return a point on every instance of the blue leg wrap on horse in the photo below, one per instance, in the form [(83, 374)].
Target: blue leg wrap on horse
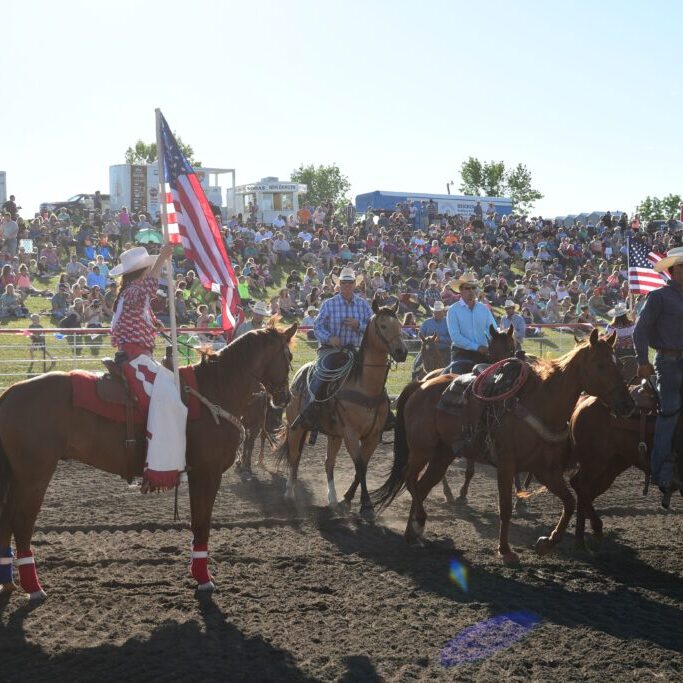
[(6, 559)]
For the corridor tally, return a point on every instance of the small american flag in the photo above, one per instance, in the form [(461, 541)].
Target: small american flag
[(641, 276), (192, 223)]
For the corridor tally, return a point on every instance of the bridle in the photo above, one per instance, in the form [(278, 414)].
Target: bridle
[(387, 348)]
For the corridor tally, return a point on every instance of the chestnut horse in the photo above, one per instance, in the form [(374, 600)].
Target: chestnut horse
[(31, 447), (532, 437), (433, 357), (259, 419), (603, 448), (359, 414)]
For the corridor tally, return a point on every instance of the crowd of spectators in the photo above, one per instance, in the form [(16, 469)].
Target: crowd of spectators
[(549, 272)]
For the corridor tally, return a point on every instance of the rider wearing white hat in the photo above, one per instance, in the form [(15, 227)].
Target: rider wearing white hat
[(340, 325), (133, 330), (513, 318), (660, 327), (259, 312)]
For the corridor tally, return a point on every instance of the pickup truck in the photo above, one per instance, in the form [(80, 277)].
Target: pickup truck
[(79, 203)]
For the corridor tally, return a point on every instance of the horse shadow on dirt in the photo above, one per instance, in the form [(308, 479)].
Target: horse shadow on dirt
[(174, 651), (551, 600)]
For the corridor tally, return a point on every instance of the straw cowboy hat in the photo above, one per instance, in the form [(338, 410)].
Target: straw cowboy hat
[(467, 279), (259, 308), (674, 257), (619, 309), (311, 310), (438, 306), (133, 259), (347, 275)]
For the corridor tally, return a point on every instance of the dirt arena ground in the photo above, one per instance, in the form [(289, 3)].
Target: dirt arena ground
[(306, 595)]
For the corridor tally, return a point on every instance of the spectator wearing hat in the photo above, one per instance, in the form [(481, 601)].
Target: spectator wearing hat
[(660, 327), (259, 313), (513, 318), (437, 325), (469, 322), (621, 323)]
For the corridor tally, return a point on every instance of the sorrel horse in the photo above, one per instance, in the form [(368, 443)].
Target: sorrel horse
[(531, 436), (358, 413), (604, 446), (29, 453), (433, 357)]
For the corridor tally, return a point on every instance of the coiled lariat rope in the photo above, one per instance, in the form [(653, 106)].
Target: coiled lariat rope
[(327, 375), (481, 379)]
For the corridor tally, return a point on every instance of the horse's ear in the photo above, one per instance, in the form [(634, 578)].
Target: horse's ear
[(434, 338), (493, 331), (290, 332), (577, 339), (511, 330), (595, 335), (375, 306), (612, 339), (395, 308)]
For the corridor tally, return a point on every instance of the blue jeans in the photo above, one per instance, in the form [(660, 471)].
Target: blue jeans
[(669, 374)]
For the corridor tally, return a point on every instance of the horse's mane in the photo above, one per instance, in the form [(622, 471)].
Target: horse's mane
[(545, 369)]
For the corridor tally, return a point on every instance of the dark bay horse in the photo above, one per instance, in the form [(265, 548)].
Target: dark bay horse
[(531, 438), (433, 357), (261, 419), (357, 416), (31, 447), (604, 446)]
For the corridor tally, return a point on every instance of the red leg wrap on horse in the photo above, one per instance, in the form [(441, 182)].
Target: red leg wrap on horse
[(200, 563), (27, 572)]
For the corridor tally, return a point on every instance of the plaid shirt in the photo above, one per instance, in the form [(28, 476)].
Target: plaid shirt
[(333, 311)]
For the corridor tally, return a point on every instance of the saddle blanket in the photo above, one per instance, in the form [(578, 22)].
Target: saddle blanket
[(85, 396)]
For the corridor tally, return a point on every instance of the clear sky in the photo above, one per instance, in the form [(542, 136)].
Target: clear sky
[(398, 93)]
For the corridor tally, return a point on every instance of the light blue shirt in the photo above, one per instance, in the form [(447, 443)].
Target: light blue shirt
[(439, 327), (517, 323), (469, 327)]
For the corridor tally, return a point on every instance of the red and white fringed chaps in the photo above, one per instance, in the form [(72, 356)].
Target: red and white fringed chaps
[(27, 574), (199, 566)]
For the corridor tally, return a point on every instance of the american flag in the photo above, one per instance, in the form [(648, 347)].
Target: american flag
[(641, 276), (192, 223)]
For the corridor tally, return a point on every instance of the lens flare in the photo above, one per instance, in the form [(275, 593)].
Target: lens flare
[(488, 637), (458, 574)]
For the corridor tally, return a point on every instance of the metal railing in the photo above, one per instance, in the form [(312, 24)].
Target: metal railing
[(83, 348)]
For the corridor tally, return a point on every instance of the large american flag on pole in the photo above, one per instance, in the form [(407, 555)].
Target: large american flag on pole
[(641, 276), (191, 222)]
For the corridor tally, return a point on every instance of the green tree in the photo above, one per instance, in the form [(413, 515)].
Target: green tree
[(143, 153), (492, 179), (324, 182), (656, 209)]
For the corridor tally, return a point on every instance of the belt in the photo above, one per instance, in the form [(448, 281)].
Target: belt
[(671, 353)]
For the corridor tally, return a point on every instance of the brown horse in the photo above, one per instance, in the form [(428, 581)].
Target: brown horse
[(433, 357), (603, 447), (532, 437), (357, 416), (30, 450)]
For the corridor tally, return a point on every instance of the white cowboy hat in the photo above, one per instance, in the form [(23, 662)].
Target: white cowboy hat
[(347, 275), (674, 257), (311, 309), (467, 279), (260, 308), (438, 306), (619, 309), (509, 304), (133, 259)]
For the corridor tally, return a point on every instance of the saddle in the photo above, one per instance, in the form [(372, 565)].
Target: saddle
[(113, 387)]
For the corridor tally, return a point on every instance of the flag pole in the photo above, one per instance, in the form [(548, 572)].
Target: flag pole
[(631, 301), (169, 266)]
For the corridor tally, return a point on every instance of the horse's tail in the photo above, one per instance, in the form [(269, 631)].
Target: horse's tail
[(397, 477)]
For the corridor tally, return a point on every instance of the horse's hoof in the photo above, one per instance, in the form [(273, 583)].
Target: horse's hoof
[(521, 506), (544, 545), (414, 541), (510, 559), (290, 495), (418, 529), (580, 546), (7, 588), (208, 587), (37, 596), (449, 500), (367, 513), (344, 505)]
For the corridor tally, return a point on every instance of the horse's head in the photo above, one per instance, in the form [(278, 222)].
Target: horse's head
[(385, 331), (501, 344), (601, 374), (277, 364)]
